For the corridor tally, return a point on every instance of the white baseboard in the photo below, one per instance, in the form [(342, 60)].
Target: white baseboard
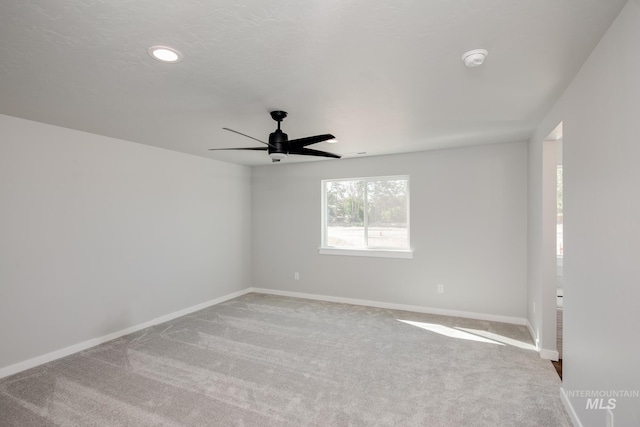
[(49, 357), (544, 353), (57, 354), (569, 407), (393, 306), (549, 354)]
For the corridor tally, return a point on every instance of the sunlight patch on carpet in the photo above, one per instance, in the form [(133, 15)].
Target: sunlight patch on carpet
[(501, 338), (450, 332)]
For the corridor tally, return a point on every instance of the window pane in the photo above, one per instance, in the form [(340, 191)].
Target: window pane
[(560, 215), (387, 214), (345, 214)]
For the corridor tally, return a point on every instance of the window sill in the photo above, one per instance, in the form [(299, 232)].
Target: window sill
[(378, 253)]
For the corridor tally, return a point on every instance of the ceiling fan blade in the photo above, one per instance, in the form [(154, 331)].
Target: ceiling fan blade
[(255, 139), (310, 152), (303, 142), (243, 148)]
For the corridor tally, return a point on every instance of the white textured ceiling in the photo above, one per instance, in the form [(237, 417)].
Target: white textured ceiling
[(384, 76)]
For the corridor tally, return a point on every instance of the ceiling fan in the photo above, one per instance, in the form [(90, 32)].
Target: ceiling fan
[(279, 146)]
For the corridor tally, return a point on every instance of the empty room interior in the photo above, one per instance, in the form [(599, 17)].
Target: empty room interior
[(319, 213)]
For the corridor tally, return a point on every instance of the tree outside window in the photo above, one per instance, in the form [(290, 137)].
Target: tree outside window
[(366, 213)]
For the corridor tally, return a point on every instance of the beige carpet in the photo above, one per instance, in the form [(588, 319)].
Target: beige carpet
[(262, 360)]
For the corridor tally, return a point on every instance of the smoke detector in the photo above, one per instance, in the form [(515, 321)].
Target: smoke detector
[(474, 57)]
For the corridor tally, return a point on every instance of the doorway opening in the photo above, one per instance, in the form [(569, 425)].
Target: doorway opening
[(555, 138)]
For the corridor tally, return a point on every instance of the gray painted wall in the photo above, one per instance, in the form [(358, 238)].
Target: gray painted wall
[(468, 231), (600, 111), (99, 234)]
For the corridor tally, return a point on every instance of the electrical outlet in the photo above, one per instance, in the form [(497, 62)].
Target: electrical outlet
[(440, 288), (609, 418), (296, 275)]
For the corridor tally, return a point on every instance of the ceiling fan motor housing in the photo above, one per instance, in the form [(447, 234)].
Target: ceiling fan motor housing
[(278, 145)]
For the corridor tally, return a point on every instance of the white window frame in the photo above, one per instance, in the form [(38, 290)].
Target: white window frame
[(369, 251)]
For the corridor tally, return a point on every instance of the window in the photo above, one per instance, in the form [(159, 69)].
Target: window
[(560, 214), (366, 216)]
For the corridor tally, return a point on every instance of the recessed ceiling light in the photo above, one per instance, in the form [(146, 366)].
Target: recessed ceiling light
[(332, 141), (165, 54), (474, 57)]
